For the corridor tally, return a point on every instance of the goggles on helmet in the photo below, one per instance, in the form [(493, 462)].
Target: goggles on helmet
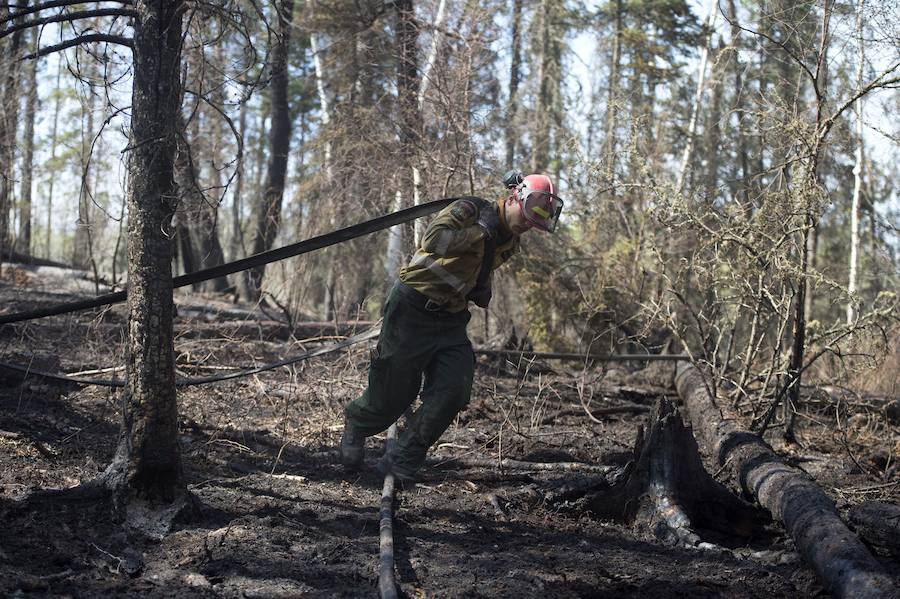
[(541, 208)]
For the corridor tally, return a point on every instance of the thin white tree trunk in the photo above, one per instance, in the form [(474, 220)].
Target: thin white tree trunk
[(394, 255), (25, 208), (325, 105), (418, 183), (698, 97), (52, 162), (857, 171), (323, 96)]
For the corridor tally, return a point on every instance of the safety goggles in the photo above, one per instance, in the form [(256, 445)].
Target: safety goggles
[(541, 208)]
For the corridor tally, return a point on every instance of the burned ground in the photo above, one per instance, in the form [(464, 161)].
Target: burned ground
[(277, 517)]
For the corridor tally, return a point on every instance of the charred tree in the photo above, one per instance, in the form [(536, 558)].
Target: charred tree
[(667, 491), (147, 464), (9, 111), (878, 523), (664, 491), (267, 217), (842, 562)]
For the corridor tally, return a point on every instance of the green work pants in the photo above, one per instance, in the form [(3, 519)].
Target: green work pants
[(415, 344)]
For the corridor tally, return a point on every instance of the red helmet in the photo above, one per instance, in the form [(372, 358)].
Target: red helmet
[(540, 204)]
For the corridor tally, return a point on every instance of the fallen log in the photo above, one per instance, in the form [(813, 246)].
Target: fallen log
[(878, 523), (509, 464), (843, 564)]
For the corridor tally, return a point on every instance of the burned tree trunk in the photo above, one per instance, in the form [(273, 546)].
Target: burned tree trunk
[(841, 561), (267, 214), (676, 496), (147, 464), (669, 493), (665, 491), (878, 523)]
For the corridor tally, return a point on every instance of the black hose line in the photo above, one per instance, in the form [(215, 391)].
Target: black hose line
[(287, 251)]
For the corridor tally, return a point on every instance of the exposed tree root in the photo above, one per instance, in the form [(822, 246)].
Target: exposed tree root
[(841, 561)]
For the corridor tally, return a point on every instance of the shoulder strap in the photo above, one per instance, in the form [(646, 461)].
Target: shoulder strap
[(487, 262)]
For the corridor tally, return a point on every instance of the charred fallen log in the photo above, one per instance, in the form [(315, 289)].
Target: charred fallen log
[(878, 523), (841, 561)]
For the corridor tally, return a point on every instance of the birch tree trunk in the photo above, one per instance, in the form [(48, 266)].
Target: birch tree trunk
[(612, 103), (206, 231), (540, 139), (424, 80), (408, 117), (698, 97), (325, 124), (25, 209), (81, 250), (857, 169), (743, 194), (52, 162), (236, 248), (324, 102)]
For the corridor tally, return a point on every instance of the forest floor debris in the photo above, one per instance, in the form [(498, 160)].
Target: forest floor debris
[(279, 518)]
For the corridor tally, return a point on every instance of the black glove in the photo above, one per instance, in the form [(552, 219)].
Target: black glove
[(481, 297), (489, 220)]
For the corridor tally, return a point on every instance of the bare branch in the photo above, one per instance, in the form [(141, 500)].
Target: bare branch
[(780, 44), (878, 83), (68, 17), (52, 4), (81, 39)]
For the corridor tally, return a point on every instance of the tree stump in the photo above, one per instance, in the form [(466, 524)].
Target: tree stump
[(669, 493), (665, 490)]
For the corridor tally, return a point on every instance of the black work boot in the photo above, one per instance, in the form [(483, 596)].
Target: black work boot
[(405, 475), (352, 449)]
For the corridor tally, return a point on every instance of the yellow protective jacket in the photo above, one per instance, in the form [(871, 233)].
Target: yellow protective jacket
[(446, 264)]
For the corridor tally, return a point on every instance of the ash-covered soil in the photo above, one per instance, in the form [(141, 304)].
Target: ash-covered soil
[(277, 517)]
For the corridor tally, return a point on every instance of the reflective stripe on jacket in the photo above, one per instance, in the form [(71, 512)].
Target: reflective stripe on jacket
[(446, 263)]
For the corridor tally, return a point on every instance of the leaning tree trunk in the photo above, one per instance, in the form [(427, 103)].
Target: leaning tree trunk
[(147, 464), (687, 155), (841, 561)]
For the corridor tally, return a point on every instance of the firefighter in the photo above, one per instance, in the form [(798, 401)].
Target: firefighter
[(423, 335)]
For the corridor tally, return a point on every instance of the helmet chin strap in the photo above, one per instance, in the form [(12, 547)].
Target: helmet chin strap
[(501, 208)]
